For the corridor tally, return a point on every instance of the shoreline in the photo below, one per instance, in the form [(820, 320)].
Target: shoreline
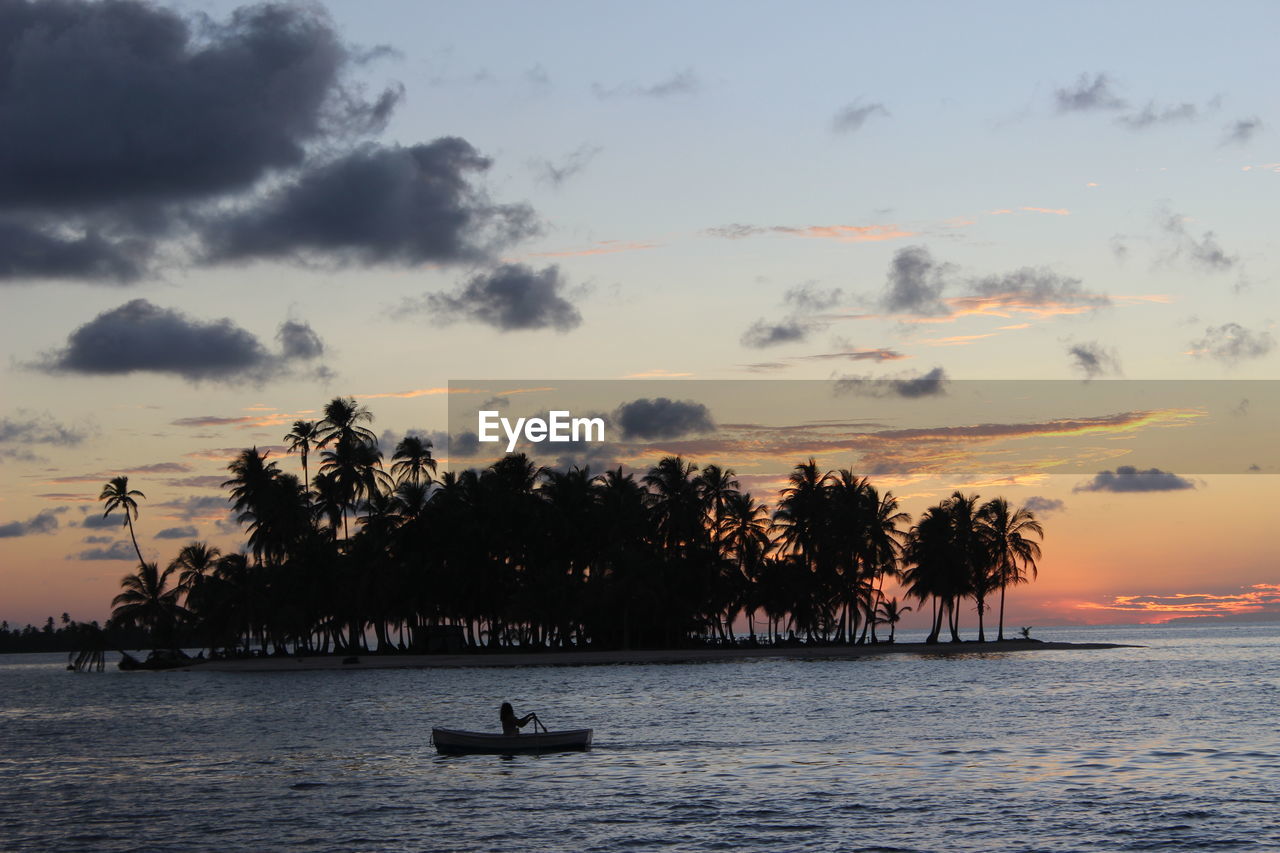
[(630, 656)]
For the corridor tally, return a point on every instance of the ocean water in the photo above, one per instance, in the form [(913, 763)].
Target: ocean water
[(1174, 746)]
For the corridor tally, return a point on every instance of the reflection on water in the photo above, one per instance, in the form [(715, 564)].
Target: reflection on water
[(1172, 746)]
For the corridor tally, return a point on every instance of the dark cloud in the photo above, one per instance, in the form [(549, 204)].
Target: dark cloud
[(1088, 94), (1242, 130), (198, 507), (1151, 115), (133, 132), (26, 427), (204, 481), (852, 117), (568, 167), (184, 532), (931, 384), (96, 540), (1205, 252), (681, 83), (104, 102), (1033, 286), (437, 440), (94, 521), (1093, 360), (119, 117), (511, 297), (736, 231), (661, 417), (1127, 478), (763, 333), (377, 205), (916, 282), (139, 336), (45, 521), (1044, 506), (118, 550), (464, 444), (1231, 342), (29, 252), (801, 300), (810, 298), (299, 340)]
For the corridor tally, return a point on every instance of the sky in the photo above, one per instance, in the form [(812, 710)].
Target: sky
[(215, 217)]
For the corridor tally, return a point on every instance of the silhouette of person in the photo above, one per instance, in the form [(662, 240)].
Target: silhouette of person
[(511, 725)]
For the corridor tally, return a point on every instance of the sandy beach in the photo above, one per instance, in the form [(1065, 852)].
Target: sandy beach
[(631, 656)]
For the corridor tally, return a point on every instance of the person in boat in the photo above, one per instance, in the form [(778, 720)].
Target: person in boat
[(511, 724)]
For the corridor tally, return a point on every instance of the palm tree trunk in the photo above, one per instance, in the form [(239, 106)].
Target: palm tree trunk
[(1000, 633), (141, 562)]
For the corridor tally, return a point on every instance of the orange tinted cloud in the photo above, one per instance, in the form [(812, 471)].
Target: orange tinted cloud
[(840, 233), (849, 233), (956, 340), (1056, 211), (923, 450), (1260, 599)]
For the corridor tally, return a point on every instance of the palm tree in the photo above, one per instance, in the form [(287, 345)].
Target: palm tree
[(118, 495), (193, 563), (412, 460), (146, 602), (890, 614), (343, 417), (1011, 550), (744, 532), (302, 438)]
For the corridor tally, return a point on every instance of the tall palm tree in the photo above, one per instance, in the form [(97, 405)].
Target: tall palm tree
[(676, 504), (744, 531), (1011, 549), (302, 438), (412, 461), (117, 495), (149, 602)]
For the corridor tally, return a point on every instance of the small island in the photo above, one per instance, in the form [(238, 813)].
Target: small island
[(373, 565)]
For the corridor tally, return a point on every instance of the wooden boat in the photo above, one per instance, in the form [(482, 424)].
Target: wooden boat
[(457, 742)]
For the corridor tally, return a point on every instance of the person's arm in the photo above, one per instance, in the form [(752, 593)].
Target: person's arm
[(524, 721)]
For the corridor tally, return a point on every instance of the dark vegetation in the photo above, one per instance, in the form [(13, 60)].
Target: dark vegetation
[(517, 556)]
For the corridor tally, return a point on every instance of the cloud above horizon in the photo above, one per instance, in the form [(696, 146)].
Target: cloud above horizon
[(1127, 478), (143, 138), (510, 298), (45, 521), (851, 117), (1231, 343), (662, 418), (142, 337), (1093, 360), (916, 284), (910, 386)]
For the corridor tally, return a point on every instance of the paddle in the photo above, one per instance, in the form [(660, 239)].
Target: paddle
[(536, 723)]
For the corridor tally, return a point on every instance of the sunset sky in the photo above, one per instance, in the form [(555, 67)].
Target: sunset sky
[(214, 218)]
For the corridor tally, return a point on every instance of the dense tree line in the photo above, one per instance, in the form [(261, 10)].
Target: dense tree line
[(517, 555), (69, 635)]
